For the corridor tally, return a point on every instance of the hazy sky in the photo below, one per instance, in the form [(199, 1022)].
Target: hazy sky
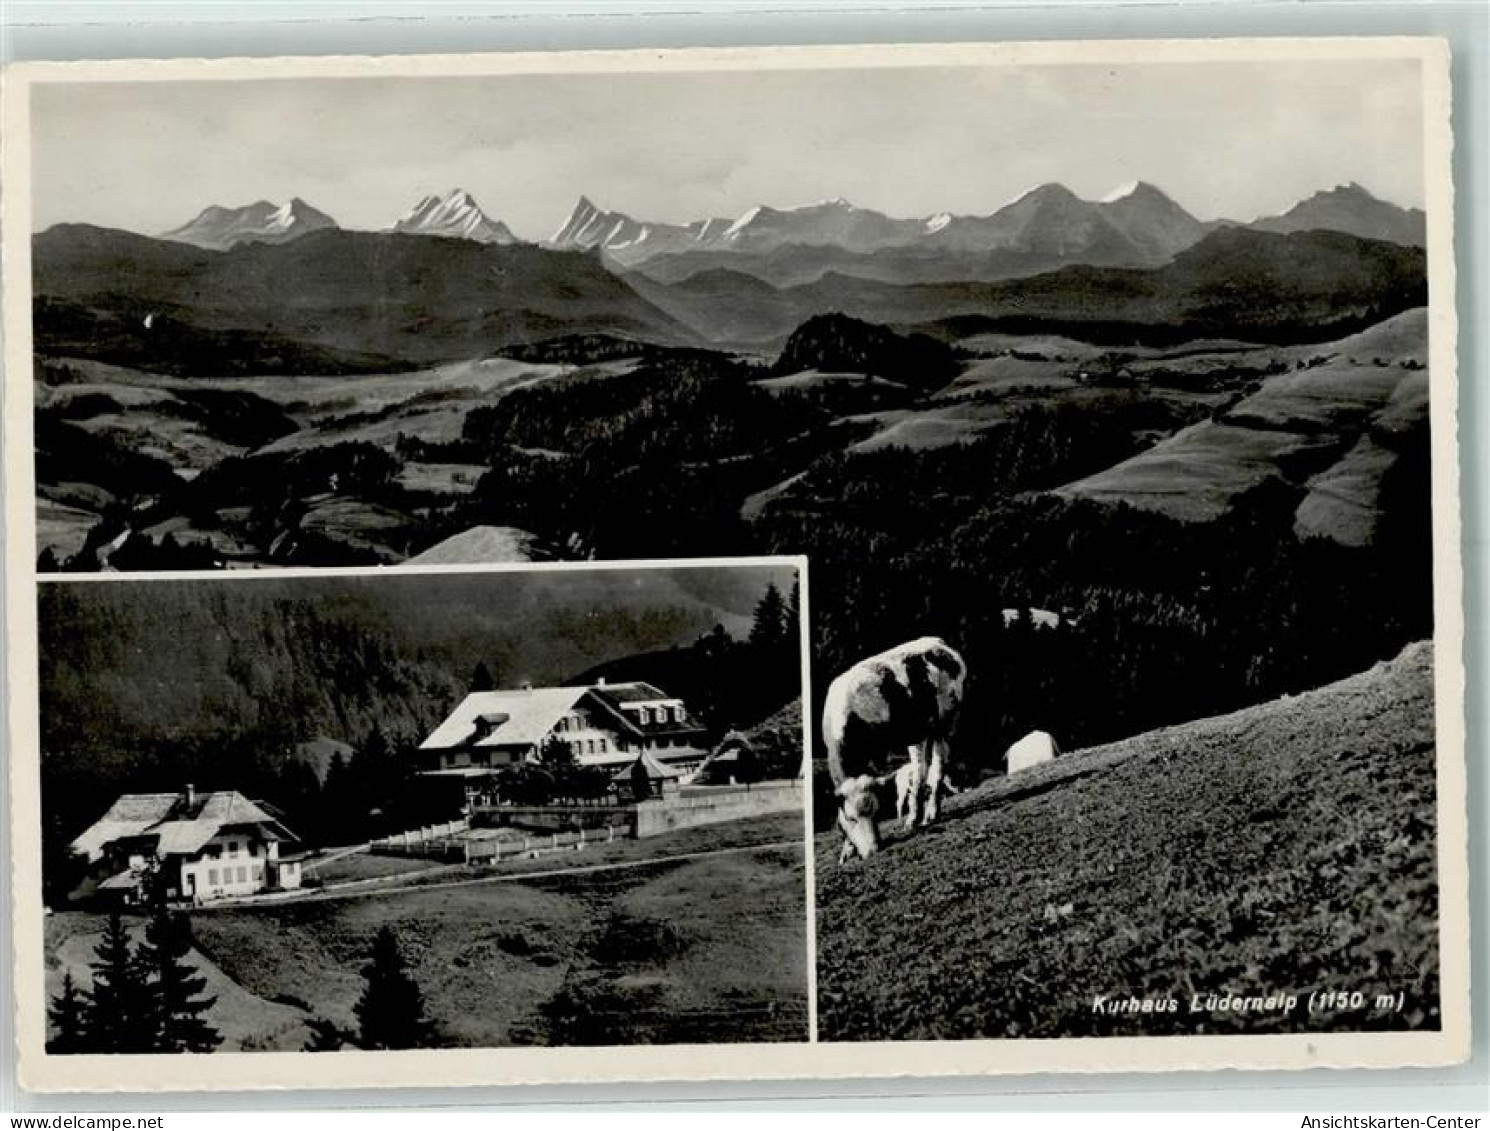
[(1228, 139)]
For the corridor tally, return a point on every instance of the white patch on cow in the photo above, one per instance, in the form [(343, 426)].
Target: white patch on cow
[(1033, 749)]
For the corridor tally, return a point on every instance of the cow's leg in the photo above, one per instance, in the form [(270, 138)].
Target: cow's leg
[(902, 794), (936, 766), (917, 783)]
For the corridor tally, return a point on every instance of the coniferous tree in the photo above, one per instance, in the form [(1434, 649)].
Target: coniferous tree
[(68, 1014), (121, 1015), (174, 987), (391, 1008), (481, 678), (325, 1036), (337, 799), (770, 617)]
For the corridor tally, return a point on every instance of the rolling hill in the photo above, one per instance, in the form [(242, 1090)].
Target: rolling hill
[(1233, 283), (309, 305), (1336, 424), (1286, 847)]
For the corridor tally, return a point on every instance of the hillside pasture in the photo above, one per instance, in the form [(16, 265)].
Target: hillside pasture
[(1287, 847), (1197, 473), (936, 427), (1008, 372), (1332, 424), (64, 528), (449, 479), (813, 379), (490, 957), (1344, 500)]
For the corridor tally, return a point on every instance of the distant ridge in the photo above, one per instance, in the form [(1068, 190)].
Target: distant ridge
[(1351, 208), (329, 301)]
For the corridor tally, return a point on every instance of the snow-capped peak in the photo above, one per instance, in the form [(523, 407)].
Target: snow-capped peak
[(1122, 192), (282, 217), (220, 228), (739, 225), (455, 214), (577, 228)]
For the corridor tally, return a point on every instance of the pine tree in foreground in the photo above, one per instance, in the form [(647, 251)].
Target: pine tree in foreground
[(121, 1016), (391, 1008), (179, 1024), (68, 1015)]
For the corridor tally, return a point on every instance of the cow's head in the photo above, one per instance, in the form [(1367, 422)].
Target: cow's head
[(858, 806)]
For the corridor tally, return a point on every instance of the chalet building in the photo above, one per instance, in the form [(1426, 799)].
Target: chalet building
[(605, 724), (208, 845)]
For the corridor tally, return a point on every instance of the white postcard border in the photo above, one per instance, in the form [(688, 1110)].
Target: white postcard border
[(425, 1068)]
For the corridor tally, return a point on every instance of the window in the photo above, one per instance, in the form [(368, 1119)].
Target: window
[(242, 874), (677, 714), (212, 876), (232, 848), (604, 745)]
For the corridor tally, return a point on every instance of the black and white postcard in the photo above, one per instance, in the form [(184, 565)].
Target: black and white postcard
[(734, 563)]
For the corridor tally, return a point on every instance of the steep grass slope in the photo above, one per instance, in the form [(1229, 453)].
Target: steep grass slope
[(1285, 848)]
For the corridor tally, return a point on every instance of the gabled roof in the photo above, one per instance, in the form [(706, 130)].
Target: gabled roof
[(655, 769), (634, 691), (131, 815), (526, 717), (176, 827), (530, 716)]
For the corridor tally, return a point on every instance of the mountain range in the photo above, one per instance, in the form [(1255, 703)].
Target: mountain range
[(1047, 226), (342, 301), (1137, 224)]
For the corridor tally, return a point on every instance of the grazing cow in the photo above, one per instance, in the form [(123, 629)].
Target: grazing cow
[(906, 698), (1031, 750)]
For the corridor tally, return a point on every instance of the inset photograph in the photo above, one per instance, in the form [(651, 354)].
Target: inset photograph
[(558, 806)]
